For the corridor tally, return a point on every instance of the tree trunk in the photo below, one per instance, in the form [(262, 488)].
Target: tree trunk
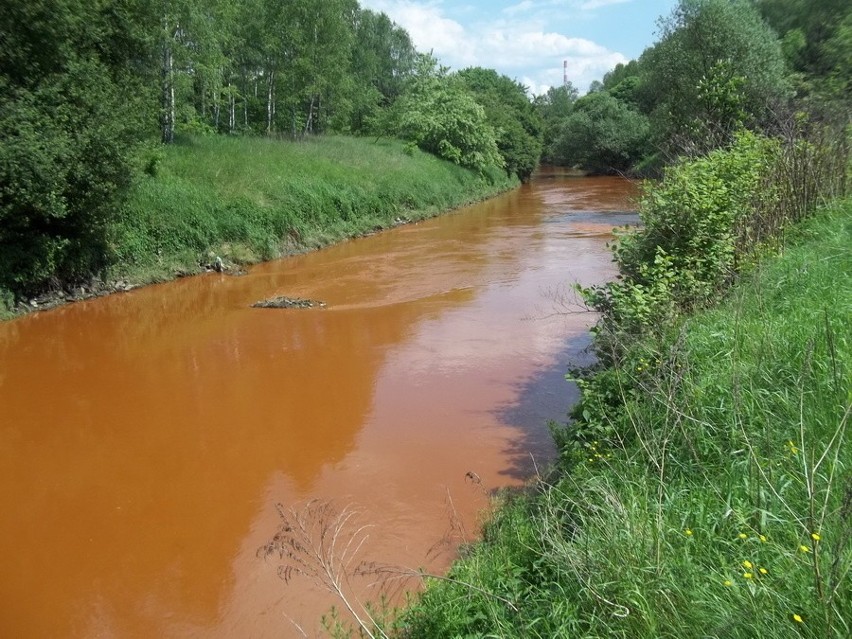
[(217, 103), (270, 102), (167, 114), (246, 90), (309, 122), (232, 108)]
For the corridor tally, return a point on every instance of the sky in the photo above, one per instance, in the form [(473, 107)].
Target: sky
[(528, 40)]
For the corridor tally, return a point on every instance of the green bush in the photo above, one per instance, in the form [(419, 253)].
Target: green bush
[(602, 134), (440, 116), (686, 249)]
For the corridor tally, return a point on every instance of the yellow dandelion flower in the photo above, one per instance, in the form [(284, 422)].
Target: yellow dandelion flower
[(763, 539), (804, 548), (742, 536), (763, 571), (747, 575), (748, 565), (688, 532), (815, 536), (798, 619), (728, 582)]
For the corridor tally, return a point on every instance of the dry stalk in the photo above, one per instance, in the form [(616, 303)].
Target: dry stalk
[(322, 543)]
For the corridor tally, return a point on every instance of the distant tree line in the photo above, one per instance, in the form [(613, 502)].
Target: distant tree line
[(719, 66), (90, 88)]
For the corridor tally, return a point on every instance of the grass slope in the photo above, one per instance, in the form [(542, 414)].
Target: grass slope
[(726, 511), (250, 199)]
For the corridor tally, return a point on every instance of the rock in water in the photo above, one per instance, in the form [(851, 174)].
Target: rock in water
[(288, 302)]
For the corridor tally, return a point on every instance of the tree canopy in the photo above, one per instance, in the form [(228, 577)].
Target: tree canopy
[(509, 111), (440, 116), (717, 68), (72, 111), (717, 65), (603, 134)]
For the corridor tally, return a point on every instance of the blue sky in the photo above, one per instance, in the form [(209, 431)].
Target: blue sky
[(528, 40)]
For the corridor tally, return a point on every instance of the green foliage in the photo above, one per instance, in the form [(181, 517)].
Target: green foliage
[(69, 120), (602, 134), (816, 38), (705, 221), (717, 65), (441, 117), (553, 107), (517, 125), (685, 252), (382, 58)]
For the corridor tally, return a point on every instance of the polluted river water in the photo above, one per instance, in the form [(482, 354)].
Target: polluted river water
[(151, 441)]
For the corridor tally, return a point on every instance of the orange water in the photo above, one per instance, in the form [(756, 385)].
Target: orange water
[(147, 438)]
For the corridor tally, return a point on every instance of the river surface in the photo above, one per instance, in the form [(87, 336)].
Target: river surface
[(150, 441)]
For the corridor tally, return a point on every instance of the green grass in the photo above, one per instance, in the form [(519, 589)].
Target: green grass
[(250, 199), (723, 508)]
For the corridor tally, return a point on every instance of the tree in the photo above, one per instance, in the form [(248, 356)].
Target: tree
[(602, 135), (817, 43), (72, 106), (553, 107), (382, 59), (440, 116), (516, 123), (624, 83), (711, 47)]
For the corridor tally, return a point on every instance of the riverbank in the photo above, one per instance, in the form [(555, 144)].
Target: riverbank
[(721, 505), (221, 203)]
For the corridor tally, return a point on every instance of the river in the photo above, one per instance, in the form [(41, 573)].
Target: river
[(149, 441)]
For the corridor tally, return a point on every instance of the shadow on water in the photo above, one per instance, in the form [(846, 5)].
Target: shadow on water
[(542, 397)]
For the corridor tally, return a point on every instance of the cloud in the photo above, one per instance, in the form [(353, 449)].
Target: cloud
[(515, 45), (430, 29), (521, 7), (527, 6), (591, 5)]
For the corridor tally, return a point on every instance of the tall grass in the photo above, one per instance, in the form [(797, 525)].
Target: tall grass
[(248, 199), (722, 507)]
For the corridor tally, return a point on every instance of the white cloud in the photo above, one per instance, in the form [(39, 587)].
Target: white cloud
[(518, 47), (521, 7), (591, 5), (430, 29), (541, 5)]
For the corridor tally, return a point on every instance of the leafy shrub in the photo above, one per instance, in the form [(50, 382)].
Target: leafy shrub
[(686, 250), (441, 117), (602, 134)]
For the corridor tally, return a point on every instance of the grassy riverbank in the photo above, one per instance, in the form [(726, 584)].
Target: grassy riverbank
[(245, 199), (727, 508), (251, 199)]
